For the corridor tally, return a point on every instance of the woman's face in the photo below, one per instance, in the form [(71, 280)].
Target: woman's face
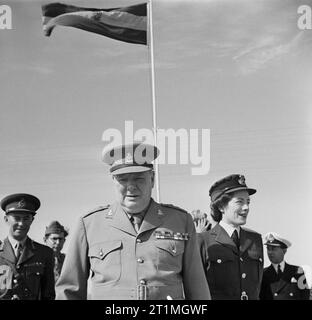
[(236, 211)]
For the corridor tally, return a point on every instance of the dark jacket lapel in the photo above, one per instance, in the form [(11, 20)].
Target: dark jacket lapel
[(222, 237), (245, 241), (28, 251)]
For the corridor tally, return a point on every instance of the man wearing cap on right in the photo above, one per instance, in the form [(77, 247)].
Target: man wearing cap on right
[(136, 248), (232, 255), (281, 281)]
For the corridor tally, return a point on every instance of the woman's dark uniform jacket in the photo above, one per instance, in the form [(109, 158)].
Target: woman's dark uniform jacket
[(286, 288), (29, 278), (232, 274)]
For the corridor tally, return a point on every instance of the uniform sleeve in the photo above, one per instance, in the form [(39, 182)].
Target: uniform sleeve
[(261, 264), (47, 283), (194, 279), (203, 249), (265, 290), (73, 281)]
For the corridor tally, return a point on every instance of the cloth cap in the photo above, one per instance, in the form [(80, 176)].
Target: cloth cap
[(231, 183), (55, 227), (20, 202), (136, 157), (275, 240)]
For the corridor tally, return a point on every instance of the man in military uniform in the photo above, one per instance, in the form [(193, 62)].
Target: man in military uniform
[(54, 237), (232, 255), (282, 281), (134, 249), (26, 267)]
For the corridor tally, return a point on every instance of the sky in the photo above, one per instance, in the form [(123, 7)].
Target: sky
[(240, 68)]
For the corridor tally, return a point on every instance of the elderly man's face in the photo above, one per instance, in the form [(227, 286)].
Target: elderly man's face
[(134, 190)]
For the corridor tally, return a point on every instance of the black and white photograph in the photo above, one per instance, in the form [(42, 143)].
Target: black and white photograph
[(157, 150)]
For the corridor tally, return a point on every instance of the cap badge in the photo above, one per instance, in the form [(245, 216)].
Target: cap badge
[(271, 238), (128, 158), (241, 180), (21, 204)]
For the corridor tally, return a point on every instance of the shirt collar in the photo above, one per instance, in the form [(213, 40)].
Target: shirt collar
[(282, 264), (15, 242), (228, 228), (141, 214)]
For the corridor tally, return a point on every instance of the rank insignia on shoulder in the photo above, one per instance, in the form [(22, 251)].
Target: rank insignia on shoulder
[(171, 235)]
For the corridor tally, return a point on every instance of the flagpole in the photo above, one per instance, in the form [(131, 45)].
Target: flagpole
[(151, 47)]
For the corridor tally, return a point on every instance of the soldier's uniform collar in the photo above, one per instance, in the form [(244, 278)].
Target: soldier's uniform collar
[(14, 242)]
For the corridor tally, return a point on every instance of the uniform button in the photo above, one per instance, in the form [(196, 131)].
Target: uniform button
[(142, 282), (241, 259), (219, 260), (291, 294), (243, 275), (38, 273), (140, 260), (14, 281), (138, 240), (275, 294)]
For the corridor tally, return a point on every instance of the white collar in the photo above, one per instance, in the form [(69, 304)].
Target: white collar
[(282, 264), (228, 228)]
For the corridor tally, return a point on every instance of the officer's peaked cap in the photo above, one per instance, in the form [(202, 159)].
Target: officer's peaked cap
[(129, 158), (275, 240), (20, 202), (231, 183)]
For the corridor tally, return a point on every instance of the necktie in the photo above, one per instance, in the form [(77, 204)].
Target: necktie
[(279, 272), (57, 270), (18, 252), (235, 238), (136, 222)]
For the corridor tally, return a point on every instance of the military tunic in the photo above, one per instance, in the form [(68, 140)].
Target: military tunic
[(161, 260), (291, 285), (232, 273), (29, 278)]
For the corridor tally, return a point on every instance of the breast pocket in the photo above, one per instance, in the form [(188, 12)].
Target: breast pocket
[(105, 261), (222, 270), (170, 254)]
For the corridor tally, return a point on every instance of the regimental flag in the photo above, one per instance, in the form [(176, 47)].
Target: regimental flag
[(127, 24)]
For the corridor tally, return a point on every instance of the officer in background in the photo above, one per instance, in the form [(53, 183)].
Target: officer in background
[(232, 256), (136, 249), (282, 281), (54, 237), (26, 267)]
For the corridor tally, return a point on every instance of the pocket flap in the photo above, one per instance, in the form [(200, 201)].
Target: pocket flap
[(173, 247), (102, 249), (220, 256)]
